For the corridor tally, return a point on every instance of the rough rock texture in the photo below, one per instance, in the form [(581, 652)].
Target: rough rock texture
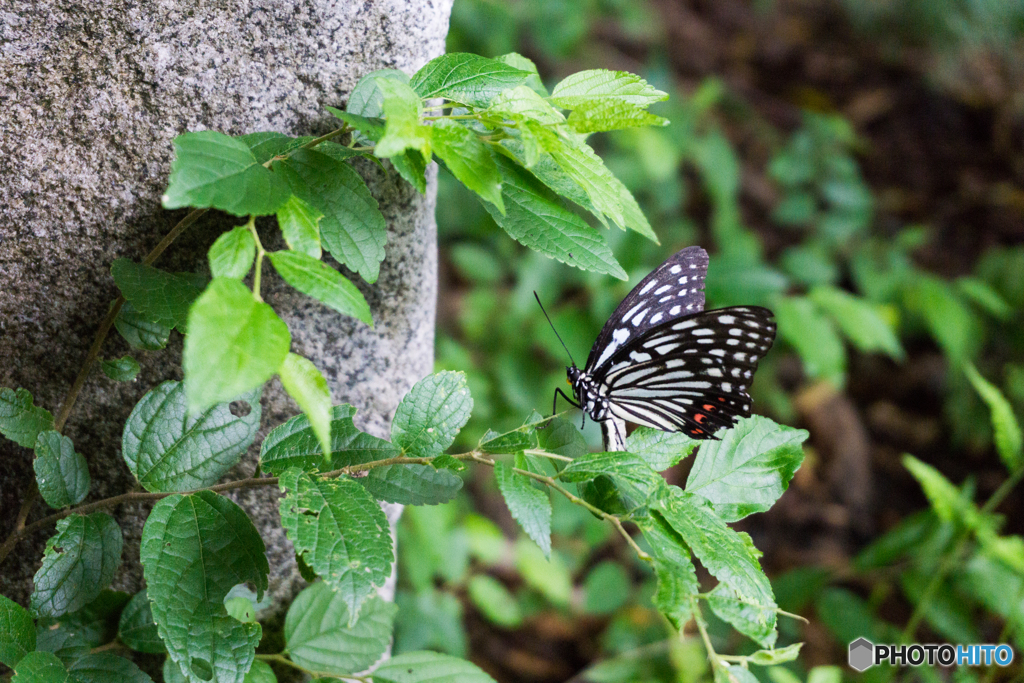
[(92, 95)]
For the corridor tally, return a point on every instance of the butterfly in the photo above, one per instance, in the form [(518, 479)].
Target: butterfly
[(662, 361)]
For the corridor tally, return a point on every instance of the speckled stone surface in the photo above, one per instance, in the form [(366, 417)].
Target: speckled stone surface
[(92, 94)]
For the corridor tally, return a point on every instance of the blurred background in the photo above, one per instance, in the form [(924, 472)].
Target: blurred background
[(857, 166)]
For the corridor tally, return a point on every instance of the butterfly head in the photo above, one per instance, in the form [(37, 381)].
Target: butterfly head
[(573, 373)]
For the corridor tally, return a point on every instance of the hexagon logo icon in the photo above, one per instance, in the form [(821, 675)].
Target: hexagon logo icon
[(862, 654)]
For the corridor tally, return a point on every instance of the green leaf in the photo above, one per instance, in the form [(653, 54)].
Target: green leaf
[(523, 102), (233, 252), (367, 99), (340, 531), (317, 279), (605, 115), (402, 127), (17, 632), (661, 450), (159, 296), (215, 171), (235, 344), (265, 145), (412, 484), (730, 557), (548, 575), (1004, 423), (260, 672), (411, 165), (677, 577), (468, 158), (601, 85), (300, 225), (608, 588), (633, 478), (319, 637), (517, 61), (494, 600), (431, 414), (169, 449), (429, 667), (122, 369), (814, 337), (535, 219), (946, 499), (137, 629), (96, 623), (294, 444), (67, 643), (40, 667), (240, 608), (749, 469), (466, 78), (561, 437), (859, 321), (949, 320), (140, 331), (79, 562), (775, 657), (103, 667), (529, 506), (195, 549), (985, 297), (352, 228), (61, 474), (509, 442), (309, 389)]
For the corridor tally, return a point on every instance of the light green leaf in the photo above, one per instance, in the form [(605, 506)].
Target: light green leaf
[(429, 667), (260, 672), (661, 450), (157, 295), (317, 279), (632, 477), (195, 549), (319, 637), (366, 99), (103, 667), (985, 297), (548, 575), (509, 442), (496, 603), (412, 484), (517, 61), (309, 389), (61, 474), (137, 629), (604, 115), (402, 127), (265, 145), (607, 587), (215, 171), (677, 577), (1004, 423), (530, 506), (775, 657), (79, 562), (340, 531), (240, 608), (140, 331), (536, 220), (169, 449), (300, 225), (749, 469), (431, 414), (468, 158), (946, 499), (41, 667), (235, 344), (859, 321), (600, 85), (123, 369), (233, 252), (352, 228), (523, 102), (949, 320), (17, 632), (466, 78), (814, 337)]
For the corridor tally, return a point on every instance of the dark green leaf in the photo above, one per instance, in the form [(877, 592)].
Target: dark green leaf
[(309, 389), (259, 673), (96, 623), (41, 667), (103, 667), (122, 369), (412, 484), (428, 667), (168, 449), (79, 562), (468, 159), (137, 629), (633, 478), (61, 474), (659, 449), (20, 421), (677, 577), (17, 632), (431, 414), (561, 437), (600, 85), (66, 642), (985, 297), (430, 618), (266, 145), (466, 78), (529, 506), (157, 295), (317, 279), (140, 331), (233, 252), (509, 442), (294, 444), (300, 225)]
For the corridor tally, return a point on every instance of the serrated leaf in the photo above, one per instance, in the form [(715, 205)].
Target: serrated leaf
[(352, 228), (517, 61), (17, 632), (605, 115), (429, 667), (366, 99), (677, 577), (661, 450), (633, 478), (412, 484), (814, 337), (315, 278), (232, 253), (62, 475), (265, 145), (946, 499), (749, 469), (140, 331), (41, 667), (319, 638), (509, 442), (775, 657), (304, 383), (447, 462), (341, 532), (300, 226), (234, 344), (466, 78), (601, 85), (468, 158), (529, 506), (136, 628), (294, 444), (748, 619), (402, 127), (195, 549), (169, 449), (523, 102), (123, 369), (78, 563), (859, 321), (103, 667), (535, 219), (544, 168), (410, 165), (431, 414), (20, 420), (215, 171), (157, 295), (1007, 431)]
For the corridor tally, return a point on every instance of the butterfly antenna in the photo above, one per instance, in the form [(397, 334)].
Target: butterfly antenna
[(553, 326)]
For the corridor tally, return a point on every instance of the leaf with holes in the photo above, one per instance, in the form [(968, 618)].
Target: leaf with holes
[(295, 444), (62, 475), (79, 562), (431, 414)]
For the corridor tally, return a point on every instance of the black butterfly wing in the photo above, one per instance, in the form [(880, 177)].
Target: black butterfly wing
[(674, 289), (689, 374)]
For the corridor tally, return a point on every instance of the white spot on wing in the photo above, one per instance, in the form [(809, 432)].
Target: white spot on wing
[(650, 285), (640, 317), (674, 269), (727, 319), (656, 317), (675, 310)]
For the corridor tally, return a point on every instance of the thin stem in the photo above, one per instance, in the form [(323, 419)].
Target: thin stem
[(260, 253), (702, 628), (545, 454)]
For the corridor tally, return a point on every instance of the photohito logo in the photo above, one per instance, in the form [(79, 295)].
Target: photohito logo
[(864, 654)]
